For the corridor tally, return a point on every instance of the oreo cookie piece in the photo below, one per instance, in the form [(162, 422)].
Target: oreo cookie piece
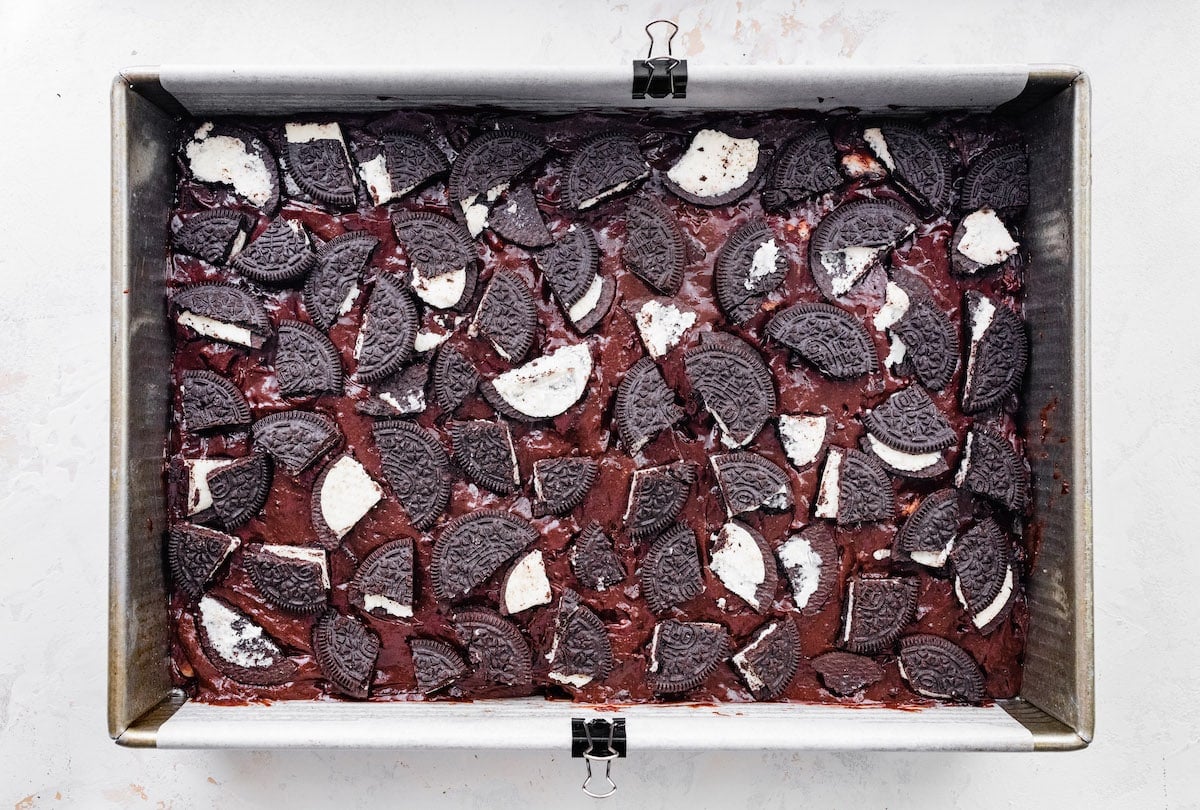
[(388, 332), (211, 402), (654, 248), (483, 170), (525, 585), (195, 470), (332, 287), (854, 489), (749, 267), (473, 547), (920, 164), (194, 553), (295, 439), (436, 664), (342, 495), (998, 354), (810, 560), (398, 163), (744, 563), (805, 167), (293, 578), (238, 647), (981, 242), (940, 669), (929, 533), (749, 482), (454, 378), (983, 574), (602, 167), (240, 489), (656, 497), (734, 385), (279, 255), (543, 388), (684, 654), (507, 316), (930, 343), (877, 611), (581, 652), (212, 235), (227, 156), (571, 269), (401, 394), (499, 653), (853, 239), (223, 312), (998, 179), (769, 662), (485, 452), (594, 560), (992, 468), (803, 436), (846, 674), (383, 583), (828, 337), (417, 469), (907, 434), (346, 651), (716, 169), (306, 361), (517, 219), (441, 258), (645, 406), (319, 163), (561, 484), (670, 574)]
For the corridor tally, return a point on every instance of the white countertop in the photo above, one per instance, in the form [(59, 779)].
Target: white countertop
[(58, 59)]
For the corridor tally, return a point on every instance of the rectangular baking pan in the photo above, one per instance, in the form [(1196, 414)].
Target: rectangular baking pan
[(1055, 710)]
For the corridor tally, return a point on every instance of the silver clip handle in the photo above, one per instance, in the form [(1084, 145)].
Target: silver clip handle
[(589, 757), (659, 44)]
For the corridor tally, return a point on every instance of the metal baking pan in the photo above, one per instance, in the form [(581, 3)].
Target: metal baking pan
[(1055, 710)]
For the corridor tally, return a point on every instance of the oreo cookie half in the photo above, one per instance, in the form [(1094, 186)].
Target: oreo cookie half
[(854, 489), (998, 179), (295, 439), (398, 163), (656, 497), (654, 248), (306, 361), (877, 611), (744, 563), (401, 394), (983, 574), (769, 662), (194, 553), (581, 652), (525, 585), (749, 267), (907, 434), (998, 354), (981, 242), (211, 402), (279, 255), (240, 489), (485, 452), (940, 669), (810, 560), (441, 256), (332, 287), (929, 533), (499, 653), (473, 547), (483, 170), (750, 482), (507, 316), (319, 163), (227, 156), (684, 654), (346, 651), (436, 664), (846, 674), (517, 219), (342, 495), (238, 647), (602, 167), (734, 384), (803, 436), (992, 468), (388, 332), (571, 269), (212, 235), (416, 468), (645, 406), (670, 574), (853, 239), (929, 343), (805, 167), (543, 388), (454, 378), (716, 169), (561, 484), (223, 312), (293, 578), (830, 338), (383, 583), (594, 561), (922, 165)]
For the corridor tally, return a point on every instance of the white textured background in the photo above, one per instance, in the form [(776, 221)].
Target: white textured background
[(57, 60)]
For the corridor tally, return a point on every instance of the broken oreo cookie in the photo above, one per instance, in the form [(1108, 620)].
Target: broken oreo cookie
[(436, 664), (293, 578), (828, 337), (684, 654), (400, 394), (561, 484), (645, 406), (525, 585), (654, 248), (920, 163), (454, 378), (845, 673), (507, 316), (928, 535), (473, 547), (877, 611), (805, 167), (907, 434), (194, 553), (499, 653), (388, 332), (332, 287), (416, 467), (769, 662), (441, 258), (211, 402), (998, 354), (279, 255), (670, 573), (295, 439), (734, 384), (716, 169), (998, 179), (853, 239), (516, 219), (228, 156), (544, 387), (749, 482), (854, 489), (346, 651), (749, 266), (223, 312), (938, 668), (810, 560), (238, 647), (602, 167), (984, 581), (383, 583), (306, 361), (214, 235), (319, 163), (981, 242), (992, 468), (743, 561), (342, 495), (485, 452), (656, 497), (398, 163), (594, 561), (240, 489), (930, 342), (483, 170), (581, 652), (571, 269)]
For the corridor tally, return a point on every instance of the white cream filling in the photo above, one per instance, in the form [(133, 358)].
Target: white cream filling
[(986, 616), (307, 133), (848, 619), (762, 265), (374, 173), (875, 140), (829, 491), (738, 562), (584, 306), (662, 326), (441, 291), (897, 351), (932, 559), (981, 318), (578, 681), (803, 566), (239, 242), (882, 553), (526, 585), (985, 239), (802, 437), (742, 659), (909, 462), (427, 341), (715, 164), (225, 159), (848, 265), (475, 214), (547, 385), (895, 306), (609, 192), (377, 601), (312, 555), (217, 330), (351, 297), (199, 495), (965, 466), (347, 494), (235, 638), (413, 403)]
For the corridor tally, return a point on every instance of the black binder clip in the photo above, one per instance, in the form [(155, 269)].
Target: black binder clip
[(663, 75)]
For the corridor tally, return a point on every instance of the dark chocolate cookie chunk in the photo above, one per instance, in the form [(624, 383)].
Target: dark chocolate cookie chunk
[(486, 166), (582, 652), (645, 406), (940, 669), (749, 481), (983, 574), (332, 287), (388, 332), (398, 163), (810, 560), (656, 497), (516, 219), (279, 255), (212, 235), (684, 654), (910, 422), (485, 452), (734, 384), (473, 547), (877, 611), (601, 168), (716, 169), (400, 394), (240, 489), (749, 267), (441, 257), (654, 249), (293, 578), (830, 338), (742, 559), (670, 573), (383, 583), (238, 647), (346, 650), (507, 316), (570, 265), (594, 560), (211, 402), (845, 674), (992, 468), (228, 156), (561, 484), (295, 439), (769, 662), (223, 312), (920, 163), (306, 361), (853, 239), (998, 179), (498, 652), (416, 467), (929, 533), (319, 163), (194, 553), (998, 355), (931, 343), (436, 664), (805, 167), (454, 378), (854, 488)]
